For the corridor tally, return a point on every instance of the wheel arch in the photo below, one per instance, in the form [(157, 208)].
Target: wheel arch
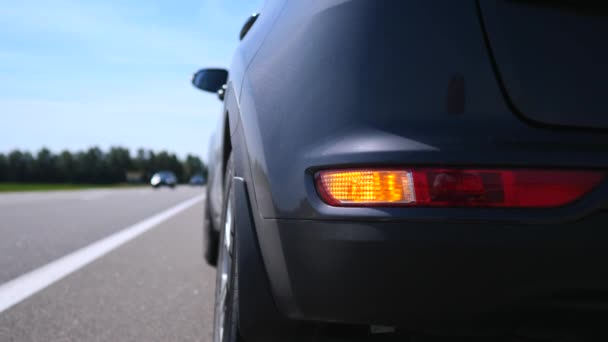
[(226, 144), (259, 317)]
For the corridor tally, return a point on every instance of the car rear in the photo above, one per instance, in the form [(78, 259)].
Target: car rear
[(417, 88)]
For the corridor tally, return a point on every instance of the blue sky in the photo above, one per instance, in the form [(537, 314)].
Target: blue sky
[(78, 73)]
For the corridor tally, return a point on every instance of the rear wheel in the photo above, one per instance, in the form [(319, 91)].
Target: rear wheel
[(225, 327)]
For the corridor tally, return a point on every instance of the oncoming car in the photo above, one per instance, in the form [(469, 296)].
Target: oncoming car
[(163, 178), (411, 169)]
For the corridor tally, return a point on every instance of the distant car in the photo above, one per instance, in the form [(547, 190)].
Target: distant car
[(161, 178), (197, 180)]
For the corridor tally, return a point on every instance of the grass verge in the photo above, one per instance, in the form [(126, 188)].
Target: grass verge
[(19, 187)]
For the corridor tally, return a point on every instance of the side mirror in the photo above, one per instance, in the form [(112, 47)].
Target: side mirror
[(211, 80)]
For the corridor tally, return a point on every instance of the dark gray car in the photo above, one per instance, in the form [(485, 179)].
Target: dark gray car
[(406, 169)]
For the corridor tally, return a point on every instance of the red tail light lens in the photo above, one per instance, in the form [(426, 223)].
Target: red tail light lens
[(427, 187)]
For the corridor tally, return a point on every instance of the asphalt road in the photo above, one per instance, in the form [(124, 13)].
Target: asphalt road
[(155, 287)]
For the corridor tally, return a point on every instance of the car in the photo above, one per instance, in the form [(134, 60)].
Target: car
[(197, 179), (163, 178), (411, 169)]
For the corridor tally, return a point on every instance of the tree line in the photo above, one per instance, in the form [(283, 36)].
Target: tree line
[(94, 165)]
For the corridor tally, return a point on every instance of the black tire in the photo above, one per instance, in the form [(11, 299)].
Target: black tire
[(211, 239), (226, 313)]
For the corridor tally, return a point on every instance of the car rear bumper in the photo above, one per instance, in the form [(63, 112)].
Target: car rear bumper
[(466, 277), (437, 276)]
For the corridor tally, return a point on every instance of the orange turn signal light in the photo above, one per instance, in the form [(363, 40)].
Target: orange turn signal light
[(352, 187)]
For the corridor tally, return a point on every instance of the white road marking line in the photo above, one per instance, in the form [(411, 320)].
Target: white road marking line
[(24, 286)]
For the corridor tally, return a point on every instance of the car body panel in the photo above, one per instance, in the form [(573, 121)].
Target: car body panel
[(304, 107), (231, 116)]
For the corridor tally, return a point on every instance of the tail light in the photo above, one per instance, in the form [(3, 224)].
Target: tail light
[(430, 187)]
